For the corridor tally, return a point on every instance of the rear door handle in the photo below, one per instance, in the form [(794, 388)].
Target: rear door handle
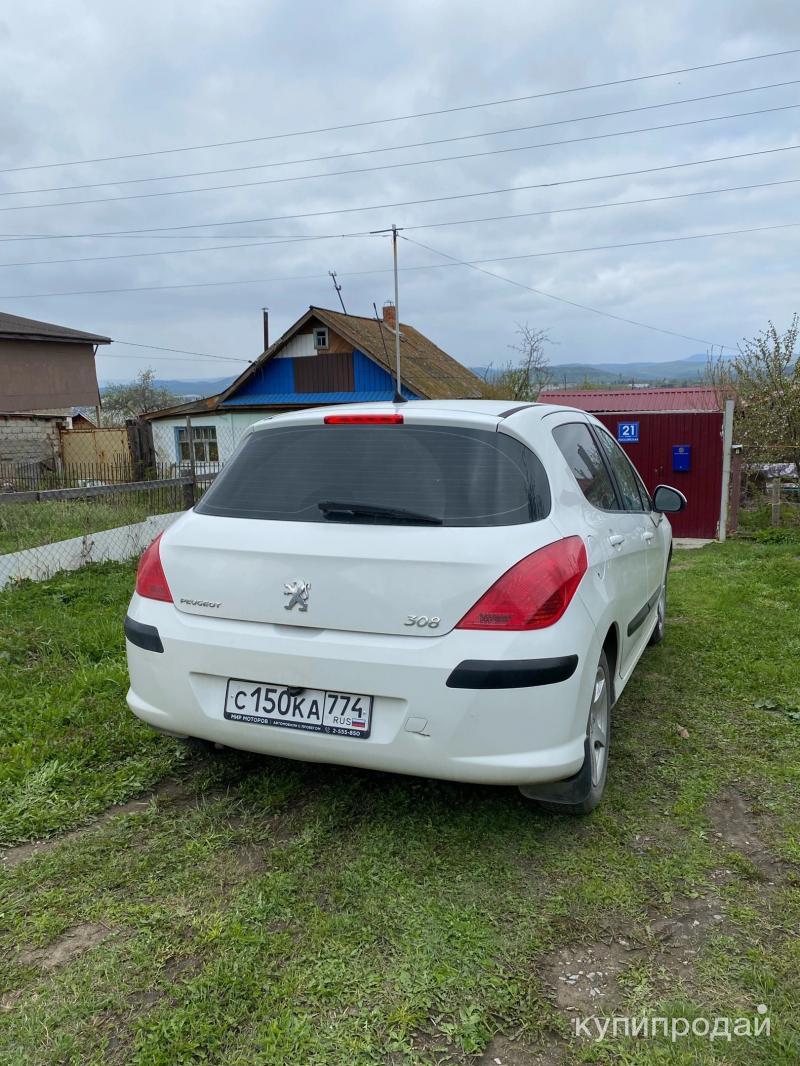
[(648, 535), (616, 539)]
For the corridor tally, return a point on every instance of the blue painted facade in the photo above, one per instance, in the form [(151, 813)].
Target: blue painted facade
[(273, 385), (368, 377)]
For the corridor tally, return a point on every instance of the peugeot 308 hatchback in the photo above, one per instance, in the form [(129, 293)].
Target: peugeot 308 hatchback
[(450, 589)]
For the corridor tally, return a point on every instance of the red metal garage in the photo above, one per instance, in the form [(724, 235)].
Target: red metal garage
[(673, 436)]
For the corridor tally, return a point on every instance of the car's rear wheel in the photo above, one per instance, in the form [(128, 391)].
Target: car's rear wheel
[(198, 746), (582, 793)]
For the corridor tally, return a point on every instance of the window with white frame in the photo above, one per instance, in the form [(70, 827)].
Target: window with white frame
[(204, 443), (321, 337)]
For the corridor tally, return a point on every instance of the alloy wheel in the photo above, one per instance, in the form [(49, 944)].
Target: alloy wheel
[(599, 726)]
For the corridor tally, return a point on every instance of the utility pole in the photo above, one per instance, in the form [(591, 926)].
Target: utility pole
[(338, 288), (398, 396), (190, 490)]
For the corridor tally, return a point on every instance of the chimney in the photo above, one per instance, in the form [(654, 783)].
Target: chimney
[(265, 312), (389, 315)]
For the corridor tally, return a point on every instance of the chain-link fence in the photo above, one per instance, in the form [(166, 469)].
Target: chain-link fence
[(38, 476), (46, 530), (61, 514), (770, 503), (765, 495)]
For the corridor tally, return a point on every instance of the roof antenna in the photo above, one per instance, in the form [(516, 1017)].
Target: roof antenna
[(398, 396), (380, 324), (338, 288)]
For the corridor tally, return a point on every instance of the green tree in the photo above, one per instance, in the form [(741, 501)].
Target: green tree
[(764, 379), (137, 397), (522, 380)]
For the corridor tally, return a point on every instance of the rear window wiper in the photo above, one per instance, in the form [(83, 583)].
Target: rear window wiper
[(344, 511)]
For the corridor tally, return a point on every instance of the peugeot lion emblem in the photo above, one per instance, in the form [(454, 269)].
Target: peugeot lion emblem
[(298, 591)]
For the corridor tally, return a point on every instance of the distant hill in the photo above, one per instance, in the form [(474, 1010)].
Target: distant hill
[(677, 372), (195, 386), (686, 371), (189, 388), (701, 357)]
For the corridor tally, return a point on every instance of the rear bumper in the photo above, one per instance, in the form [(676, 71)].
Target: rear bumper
[(485, 732)]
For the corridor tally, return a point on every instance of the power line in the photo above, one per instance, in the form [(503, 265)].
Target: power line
[(162, 358), (420, 267), (282, 239), (637, 244), (597, 207), (180, 351), (184, 251), (7, 238), (564, 300), (403, 118), (414, 144), (154, 230), (400, 165)]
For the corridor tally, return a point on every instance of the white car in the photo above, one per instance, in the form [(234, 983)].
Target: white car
[(451, 589)]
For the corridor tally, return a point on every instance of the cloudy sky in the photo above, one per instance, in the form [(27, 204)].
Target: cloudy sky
[(89, 80)]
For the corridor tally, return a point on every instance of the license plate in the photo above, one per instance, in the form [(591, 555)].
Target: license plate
[(344, 714)]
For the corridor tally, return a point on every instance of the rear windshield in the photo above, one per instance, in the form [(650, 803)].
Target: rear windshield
[(453, 476)]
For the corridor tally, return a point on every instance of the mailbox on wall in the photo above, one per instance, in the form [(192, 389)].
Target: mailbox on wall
[(681, 458)]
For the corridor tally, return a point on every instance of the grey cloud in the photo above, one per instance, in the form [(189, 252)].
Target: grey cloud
[(93, 81)]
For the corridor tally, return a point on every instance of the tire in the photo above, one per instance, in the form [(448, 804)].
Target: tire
[(198, 746), (661, 608), (580, 794)]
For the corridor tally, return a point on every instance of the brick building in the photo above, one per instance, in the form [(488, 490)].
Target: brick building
[(45, 370)]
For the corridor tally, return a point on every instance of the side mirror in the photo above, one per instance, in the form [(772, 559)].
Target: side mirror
[(667, 500)]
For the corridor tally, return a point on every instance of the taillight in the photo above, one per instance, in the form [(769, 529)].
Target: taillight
[(535, 592), (363, 420), (151, 581)]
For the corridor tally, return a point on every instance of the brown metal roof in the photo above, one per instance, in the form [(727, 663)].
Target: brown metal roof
[(425, 369), (14, 327), (621, 401)]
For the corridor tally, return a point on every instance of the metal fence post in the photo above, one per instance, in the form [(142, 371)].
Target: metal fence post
[(727, 441), (190, 491), (775, 501)]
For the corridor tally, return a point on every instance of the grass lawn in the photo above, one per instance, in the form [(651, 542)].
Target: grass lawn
[(253, 911), (27, 525)]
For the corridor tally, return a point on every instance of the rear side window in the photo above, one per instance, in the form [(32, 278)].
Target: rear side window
[(580, 449), (457, 476), (634, 497)]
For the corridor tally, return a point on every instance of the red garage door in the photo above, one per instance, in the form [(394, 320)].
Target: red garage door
[(699, 435)]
